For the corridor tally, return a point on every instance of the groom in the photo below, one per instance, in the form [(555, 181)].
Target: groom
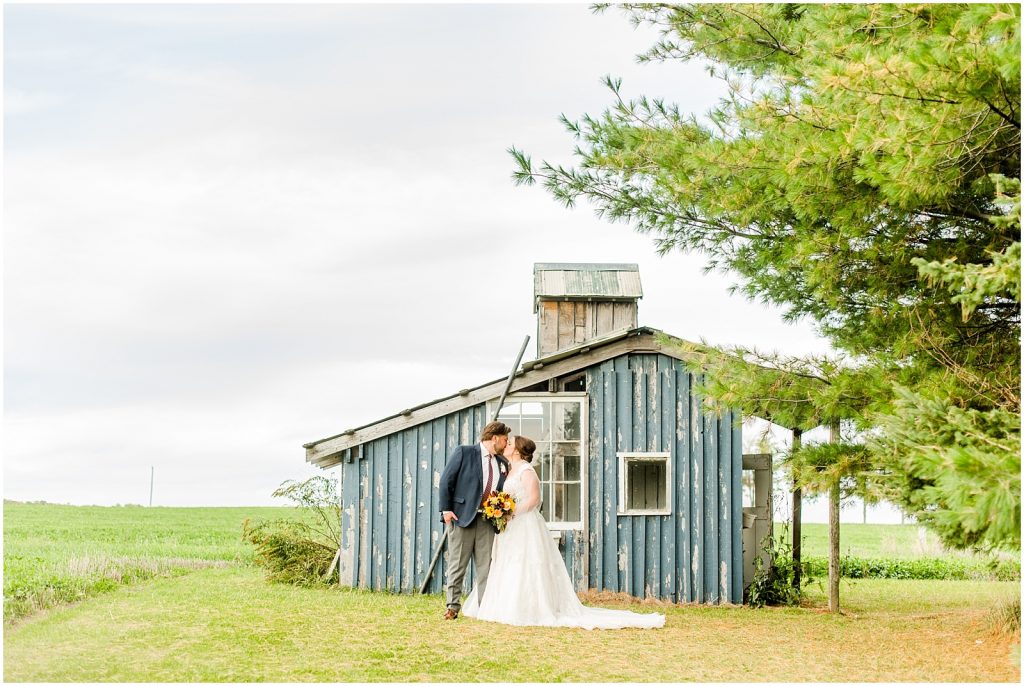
[(472, 472)]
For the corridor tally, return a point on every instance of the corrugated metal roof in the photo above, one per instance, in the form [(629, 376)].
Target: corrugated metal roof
[(586, 281)]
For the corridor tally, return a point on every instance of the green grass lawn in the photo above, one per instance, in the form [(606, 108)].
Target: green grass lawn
[(231, 625), (169, 594)]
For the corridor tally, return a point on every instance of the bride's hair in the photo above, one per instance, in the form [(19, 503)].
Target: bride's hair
[(526, 447)]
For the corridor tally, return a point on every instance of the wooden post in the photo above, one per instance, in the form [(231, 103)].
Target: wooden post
[(341, 504), (497, 411), (433, 561), (334, 563), (797, 438), (833, 533)]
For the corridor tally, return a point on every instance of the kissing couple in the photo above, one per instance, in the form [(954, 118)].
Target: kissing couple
[(521, 578)]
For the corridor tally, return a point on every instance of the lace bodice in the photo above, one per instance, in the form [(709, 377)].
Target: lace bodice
[(523, 487)]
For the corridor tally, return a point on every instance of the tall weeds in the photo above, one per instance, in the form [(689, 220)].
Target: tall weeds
[(47, 585), (1004, 618)]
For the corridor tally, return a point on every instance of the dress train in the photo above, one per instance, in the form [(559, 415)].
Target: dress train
[(528, 584)]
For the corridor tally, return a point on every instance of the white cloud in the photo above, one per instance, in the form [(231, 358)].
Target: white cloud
[(231, 247), (18, 102)]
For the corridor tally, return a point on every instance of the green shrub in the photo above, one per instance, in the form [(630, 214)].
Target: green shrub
[(288, 554), (916, 568), (299, 550)]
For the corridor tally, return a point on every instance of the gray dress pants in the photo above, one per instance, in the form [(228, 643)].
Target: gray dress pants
[(474, 541)]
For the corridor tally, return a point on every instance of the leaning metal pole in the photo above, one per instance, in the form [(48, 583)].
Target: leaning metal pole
[(497, 411)]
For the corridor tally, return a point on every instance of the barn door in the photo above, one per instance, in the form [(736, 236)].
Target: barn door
[(757, 511)]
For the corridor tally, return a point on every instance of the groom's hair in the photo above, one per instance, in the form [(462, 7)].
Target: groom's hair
[(495, 429)]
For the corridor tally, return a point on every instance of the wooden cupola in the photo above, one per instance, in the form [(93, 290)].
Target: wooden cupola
[(580, 302)]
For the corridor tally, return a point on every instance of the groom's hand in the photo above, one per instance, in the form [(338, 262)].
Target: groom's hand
[(449, 517)]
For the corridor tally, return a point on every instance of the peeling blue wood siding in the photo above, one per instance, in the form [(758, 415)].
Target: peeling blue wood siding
[(645, 403), (684, 502), (636, 402), (736, 498), (696, 495)]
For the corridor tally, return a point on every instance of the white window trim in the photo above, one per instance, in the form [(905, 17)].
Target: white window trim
[(580, 396), (649, 457)]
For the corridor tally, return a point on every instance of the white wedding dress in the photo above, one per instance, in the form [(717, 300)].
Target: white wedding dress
[(528, 584)]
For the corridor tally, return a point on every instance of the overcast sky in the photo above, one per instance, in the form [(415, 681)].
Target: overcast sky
[(233, 229)]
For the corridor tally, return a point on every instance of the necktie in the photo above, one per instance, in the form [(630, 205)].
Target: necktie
[(490, 478)]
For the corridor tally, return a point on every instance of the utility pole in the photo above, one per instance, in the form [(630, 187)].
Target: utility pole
[(151, 469)]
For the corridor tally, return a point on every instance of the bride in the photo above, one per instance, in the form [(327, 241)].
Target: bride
[(528, 584)]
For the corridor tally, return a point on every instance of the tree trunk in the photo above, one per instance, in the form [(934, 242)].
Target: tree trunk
[(833, 548), (833, 536), (797, 433)]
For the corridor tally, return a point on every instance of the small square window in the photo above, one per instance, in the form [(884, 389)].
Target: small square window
[(645, 481)]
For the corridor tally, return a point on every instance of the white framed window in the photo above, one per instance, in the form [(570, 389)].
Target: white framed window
[(555, 422), (645, 483)]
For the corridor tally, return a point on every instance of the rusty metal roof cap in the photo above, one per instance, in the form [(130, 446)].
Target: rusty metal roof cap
[(561, 281)]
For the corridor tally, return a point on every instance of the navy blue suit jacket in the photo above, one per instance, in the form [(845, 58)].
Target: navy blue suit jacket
[(462, 483)]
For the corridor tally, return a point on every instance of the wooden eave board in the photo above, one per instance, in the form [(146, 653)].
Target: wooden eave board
[(327, 452)]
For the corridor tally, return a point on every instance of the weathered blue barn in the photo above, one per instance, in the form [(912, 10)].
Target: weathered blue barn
[(641, 484)]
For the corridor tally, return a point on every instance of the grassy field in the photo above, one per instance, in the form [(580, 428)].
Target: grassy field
[(61, 553), (205, 613), (872, 540), (903, 551)]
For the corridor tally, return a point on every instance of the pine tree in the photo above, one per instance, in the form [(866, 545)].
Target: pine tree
[(863, 174)]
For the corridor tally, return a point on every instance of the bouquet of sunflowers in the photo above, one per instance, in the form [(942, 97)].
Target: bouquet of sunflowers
[(498, 509)]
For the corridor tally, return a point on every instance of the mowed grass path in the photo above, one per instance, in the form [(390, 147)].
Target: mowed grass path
[(230, 625), (56, 554)]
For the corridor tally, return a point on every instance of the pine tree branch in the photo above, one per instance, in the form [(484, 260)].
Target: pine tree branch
[(775, 44)]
